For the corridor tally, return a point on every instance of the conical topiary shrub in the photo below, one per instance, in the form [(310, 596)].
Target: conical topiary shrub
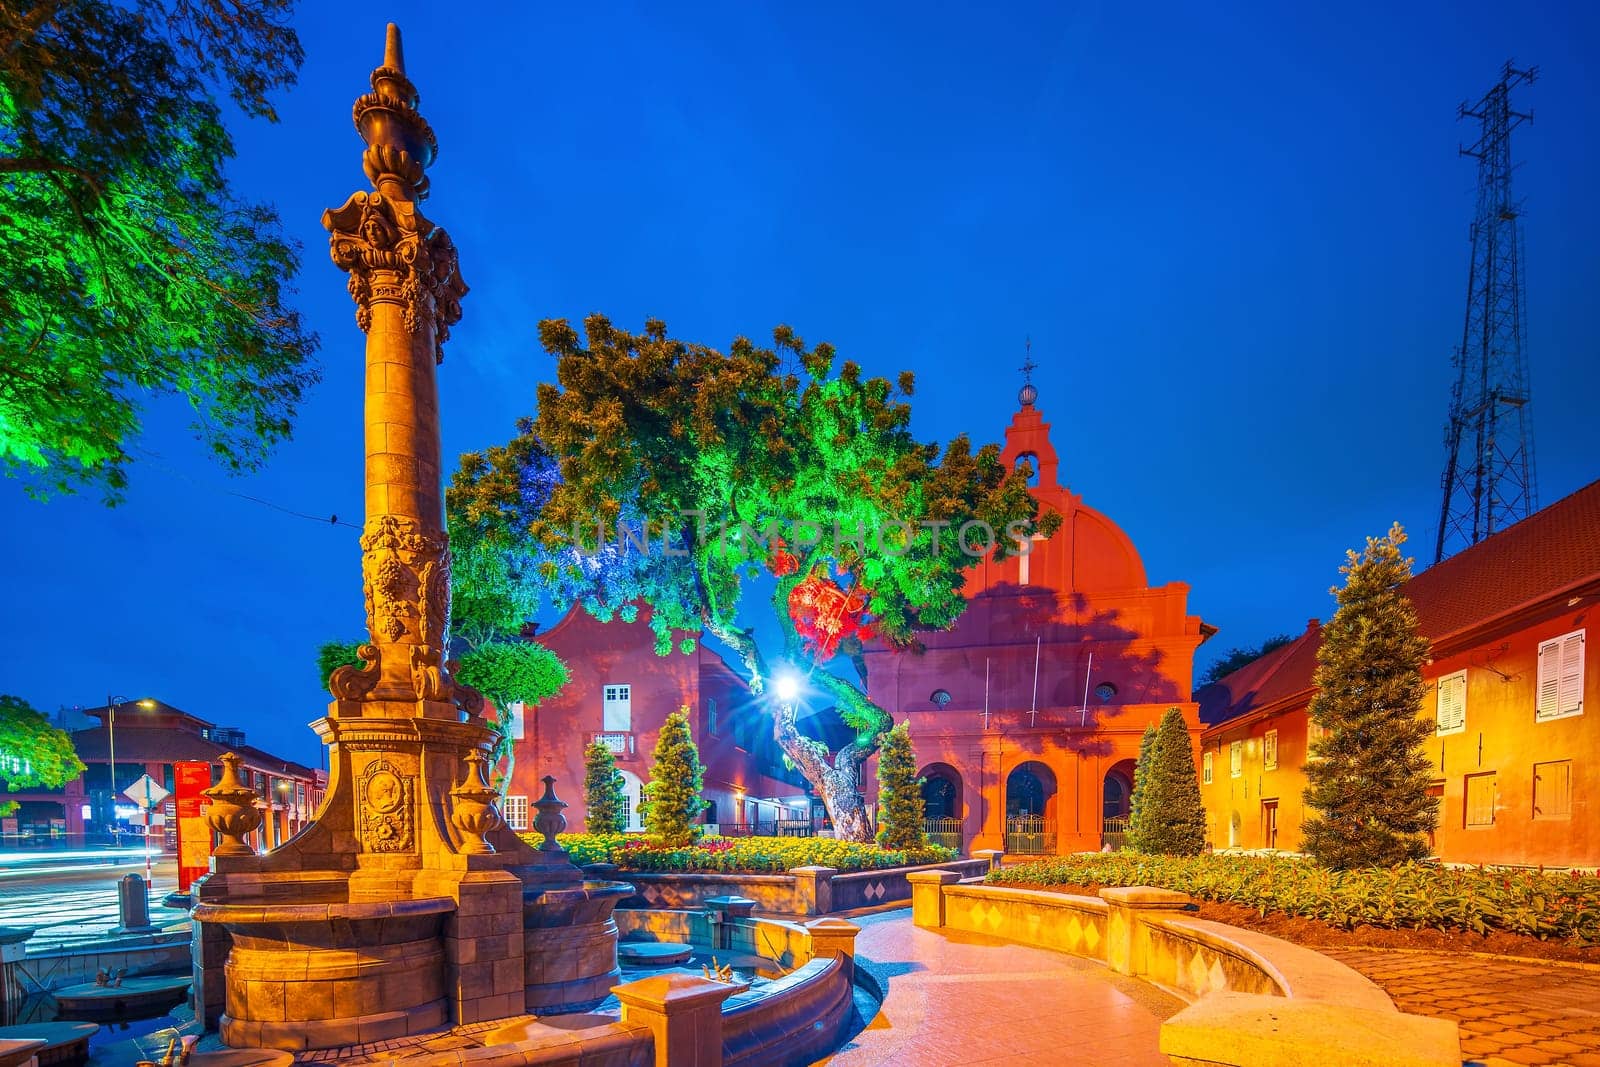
[(605, 804), (900, 806), (672, 796), (1172, 819)]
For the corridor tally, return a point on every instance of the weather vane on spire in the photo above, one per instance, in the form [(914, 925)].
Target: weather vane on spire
[(1028, 393)]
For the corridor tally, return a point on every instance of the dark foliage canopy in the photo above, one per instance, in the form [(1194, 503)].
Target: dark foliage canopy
[(132, 269)]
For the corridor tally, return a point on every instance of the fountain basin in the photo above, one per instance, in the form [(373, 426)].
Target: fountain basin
[(309, 976), (139, 998), (570, 945), (66, 1044)]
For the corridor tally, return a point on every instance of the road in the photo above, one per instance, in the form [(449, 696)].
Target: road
[(72, 897)]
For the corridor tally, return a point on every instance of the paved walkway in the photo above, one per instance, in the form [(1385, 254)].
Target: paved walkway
[(1510, 1010), (955, 998)]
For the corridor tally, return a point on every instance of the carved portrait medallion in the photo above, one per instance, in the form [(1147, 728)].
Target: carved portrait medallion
[(386, 809)]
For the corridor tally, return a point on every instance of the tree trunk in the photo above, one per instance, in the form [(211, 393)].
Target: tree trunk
[(835, 781)]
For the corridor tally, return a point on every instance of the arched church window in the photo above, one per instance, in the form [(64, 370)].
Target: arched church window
[(1105, 691), (940, 697)]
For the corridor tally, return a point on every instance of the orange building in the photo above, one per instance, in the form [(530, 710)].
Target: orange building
[(1026, 717), (1515, 758)]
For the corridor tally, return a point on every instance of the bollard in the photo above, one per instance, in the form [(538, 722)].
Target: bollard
[(133, 905), (11, 939)]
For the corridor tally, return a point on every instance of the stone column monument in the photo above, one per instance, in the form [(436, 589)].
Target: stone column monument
[(405, 905)]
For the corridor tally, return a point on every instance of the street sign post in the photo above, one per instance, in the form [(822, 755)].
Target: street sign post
[(192, 778), (147, 793)]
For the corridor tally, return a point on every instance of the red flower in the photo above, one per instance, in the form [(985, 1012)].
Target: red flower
[(783, 562)]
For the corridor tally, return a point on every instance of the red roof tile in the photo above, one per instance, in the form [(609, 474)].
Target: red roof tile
[(1544, 554), (1281, 673), (143, 744), (1547, 552)]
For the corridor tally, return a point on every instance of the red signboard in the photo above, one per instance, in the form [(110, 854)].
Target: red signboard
[(194, 836)]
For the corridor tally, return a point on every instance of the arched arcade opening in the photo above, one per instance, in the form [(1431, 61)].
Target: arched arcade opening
[(943, 806), (1031, 810), (1116, 793)]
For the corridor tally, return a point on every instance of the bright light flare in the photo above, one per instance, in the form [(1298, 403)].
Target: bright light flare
[(786, 686)]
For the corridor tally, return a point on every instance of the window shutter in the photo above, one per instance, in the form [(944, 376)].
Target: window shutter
[(1452, 714), (1549, 680), (1560, 677), (1569, 699)]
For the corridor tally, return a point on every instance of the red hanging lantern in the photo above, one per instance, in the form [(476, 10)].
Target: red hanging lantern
[(825, 615)]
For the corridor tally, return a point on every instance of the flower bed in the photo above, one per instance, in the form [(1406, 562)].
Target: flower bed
[(1412, 896), (744, 855)]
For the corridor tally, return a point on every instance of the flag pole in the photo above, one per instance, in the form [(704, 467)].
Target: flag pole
[(986, 692), (1033, 712), (1083, 712)]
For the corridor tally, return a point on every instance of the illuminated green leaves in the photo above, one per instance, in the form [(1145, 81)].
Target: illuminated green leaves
[(133, 271)]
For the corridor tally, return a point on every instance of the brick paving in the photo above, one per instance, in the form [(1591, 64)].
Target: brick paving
[(956, 998), (460, 1037), (1510, 1010)]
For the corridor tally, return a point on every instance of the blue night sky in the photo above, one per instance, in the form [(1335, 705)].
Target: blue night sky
[(1237, 235)]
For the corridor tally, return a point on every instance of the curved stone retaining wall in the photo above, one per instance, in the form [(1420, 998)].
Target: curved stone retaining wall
[(1254, 999)]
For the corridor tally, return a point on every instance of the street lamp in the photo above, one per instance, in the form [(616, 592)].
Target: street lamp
[(112, 703)]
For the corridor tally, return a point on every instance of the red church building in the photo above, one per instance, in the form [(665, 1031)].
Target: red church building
[(1026, 717)]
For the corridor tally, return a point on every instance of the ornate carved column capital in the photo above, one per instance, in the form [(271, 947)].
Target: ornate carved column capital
[(394, 254)]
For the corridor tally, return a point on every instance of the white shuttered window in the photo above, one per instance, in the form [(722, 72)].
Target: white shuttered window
[(1560, 677), (1451, 717)]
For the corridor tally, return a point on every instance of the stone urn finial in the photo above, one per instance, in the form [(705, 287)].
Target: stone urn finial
[(472, 805), (232, 811), (549, 821)]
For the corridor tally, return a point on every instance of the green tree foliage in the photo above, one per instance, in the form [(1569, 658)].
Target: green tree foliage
[(132, 269), (335, 654), (711, 449), (33, 754), (1235, 658), (1368, 777), (510, 672), (672, 798), (1172, 819), (1141, 770), (900, 806), (604, 801)]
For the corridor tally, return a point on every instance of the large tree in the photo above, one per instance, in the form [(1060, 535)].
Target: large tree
[(1368, 775), (33, 753), (132, 268), (769, 479)]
